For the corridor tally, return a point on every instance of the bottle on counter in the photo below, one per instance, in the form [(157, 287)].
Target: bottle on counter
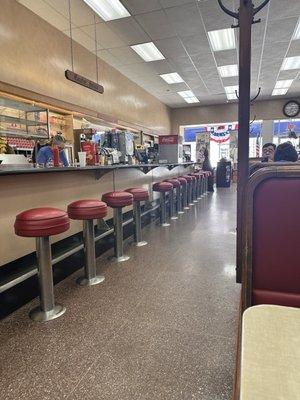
[(55, 156)]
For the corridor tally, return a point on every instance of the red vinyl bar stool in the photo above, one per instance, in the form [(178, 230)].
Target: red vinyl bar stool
[(174, 196), (201, 184), (189, 180), (163, 188), (118, 200), (41, 223), (183, 198), (87, 211), (139, 195), (207, 174)]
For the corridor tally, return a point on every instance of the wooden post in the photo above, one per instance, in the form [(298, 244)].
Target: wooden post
[(246, 13)]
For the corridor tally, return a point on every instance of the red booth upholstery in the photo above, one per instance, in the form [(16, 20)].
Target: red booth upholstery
[(276, 237), (139, 194), (87, 209), (41, 222)]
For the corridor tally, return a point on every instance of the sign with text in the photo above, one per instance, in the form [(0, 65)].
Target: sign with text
[(82, 81), (168, 139)]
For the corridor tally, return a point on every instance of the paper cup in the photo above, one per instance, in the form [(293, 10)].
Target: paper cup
[(82, 158)]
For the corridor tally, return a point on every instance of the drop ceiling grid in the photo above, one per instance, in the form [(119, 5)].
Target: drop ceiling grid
[(182, 37)]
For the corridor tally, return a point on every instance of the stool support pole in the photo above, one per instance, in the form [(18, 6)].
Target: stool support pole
[(48, 309), (195, 183), (185, 200), (118, 229), (172, 208), (137, 224), (199, 188), (163, 210), (190, 193), (91, 277), (179, 200)]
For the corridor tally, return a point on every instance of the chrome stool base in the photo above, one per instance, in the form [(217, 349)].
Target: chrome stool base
[(83, 281), (165, 224), (174, 218), (180, 212), (186, 208), (120, 259), (36, 314), (141, 244)]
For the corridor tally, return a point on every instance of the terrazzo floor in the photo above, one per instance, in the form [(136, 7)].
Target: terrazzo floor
[(162, 326)]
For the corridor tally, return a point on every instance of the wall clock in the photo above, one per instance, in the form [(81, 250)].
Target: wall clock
[(291, 109)]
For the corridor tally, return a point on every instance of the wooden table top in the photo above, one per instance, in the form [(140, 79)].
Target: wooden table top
[(270, 358)]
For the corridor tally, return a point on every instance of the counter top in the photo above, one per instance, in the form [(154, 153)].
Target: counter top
[(101, 169)]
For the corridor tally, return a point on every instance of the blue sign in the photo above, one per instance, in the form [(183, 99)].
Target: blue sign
[(190, 134), (284, 128)]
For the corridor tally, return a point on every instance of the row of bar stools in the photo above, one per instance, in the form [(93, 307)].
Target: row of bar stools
[(41, 223), (118, 200), (139, 195), (87, 211), (163, 188), (190, 181)]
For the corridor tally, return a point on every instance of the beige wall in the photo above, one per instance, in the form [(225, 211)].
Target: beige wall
[(34, 56), (266, 110)]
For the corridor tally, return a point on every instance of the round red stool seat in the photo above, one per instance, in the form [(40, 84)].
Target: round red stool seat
[(162, 187), (139, 194), (188, 178), (40, 222), (118, 199), (175, 182), (87, 209), (182, 181), (197, 176)]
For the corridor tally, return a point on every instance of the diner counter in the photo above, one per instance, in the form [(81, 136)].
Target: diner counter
[(25, 188), (17, 170)]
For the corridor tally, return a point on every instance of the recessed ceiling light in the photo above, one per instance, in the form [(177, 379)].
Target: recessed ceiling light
[(108, 9), (231, 96), (284, 84), (279, 92), (148, 52), (291, 63), (172, 78), (296, 35), (188, 96), (222, 39), (227, 71)]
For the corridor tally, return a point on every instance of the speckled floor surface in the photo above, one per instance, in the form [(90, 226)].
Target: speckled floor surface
[(163, 325)]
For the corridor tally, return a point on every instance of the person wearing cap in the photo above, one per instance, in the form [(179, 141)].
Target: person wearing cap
[(45, 153)]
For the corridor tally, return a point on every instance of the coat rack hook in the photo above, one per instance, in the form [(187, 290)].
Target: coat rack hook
[(263, 4), (255, 97), (227, 11)]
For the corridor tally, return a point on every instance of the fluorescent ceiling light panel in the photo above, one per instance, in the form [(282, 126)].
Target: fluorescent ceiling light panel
[(172, 78), (148, 51), (227, 71), (230, 92), (291, 63), (279, 92), (108, 9), (188, 96), (284, 84), (222, 39), (296, 35)]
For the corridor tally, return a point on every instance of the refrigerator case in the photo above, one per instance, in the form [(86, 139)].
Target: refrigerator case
[(170, 149)]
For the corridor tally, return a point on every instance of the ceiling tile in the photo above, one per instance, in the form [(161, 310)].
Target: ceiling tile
[(226, 57), (232, 81), (106, 38), (126, 55), (186, 20), (174, 3), (141, 6), (182, 64), (275, 52), (129, 30), (291, 74), (204, 61), (294, 49), (156, 25), (109, 58), (281, 30), (196, 44), (171, 47), (213, 17), (279, 9)]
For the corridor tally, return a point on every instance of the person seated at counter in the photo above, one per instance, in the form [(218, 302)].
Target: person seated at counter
[(45, 154), (268, 151), (286, 152)]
